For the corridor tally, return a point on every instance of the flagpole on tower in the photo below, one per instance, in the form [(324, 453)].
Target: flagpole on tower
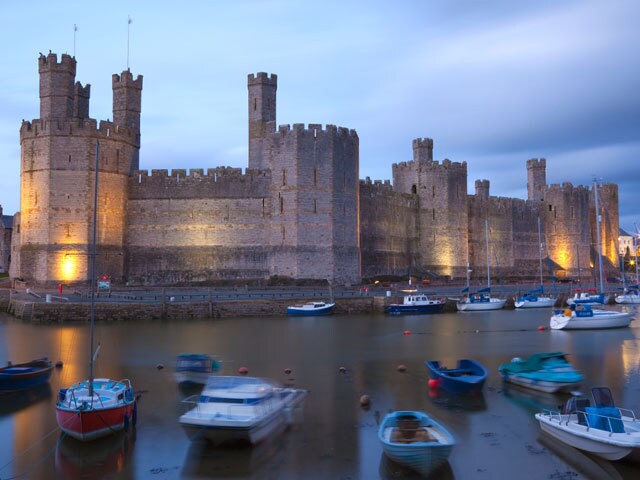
[(75, 29), (128, 29)]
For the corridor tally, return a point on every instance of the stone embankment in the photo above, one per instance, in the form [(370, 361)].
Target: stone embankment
[(130, 306)]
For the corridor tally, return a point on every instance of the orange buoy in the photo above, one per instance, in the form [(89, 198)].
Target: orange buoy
[(407, 332), (402, 368), (540, 327), (434, 383), (243, 370), (567, 312), (287, 371)]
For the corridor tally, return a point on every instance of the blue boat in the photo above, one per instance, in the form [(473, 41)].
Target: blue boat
[(416, 304), (545, 372), (195, 368), (415, 440), (311, 308), (25, 375), (469, 376)]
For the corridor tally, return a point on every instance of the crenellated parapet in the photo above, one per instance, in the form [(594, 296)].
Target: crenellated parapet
[(221, 182), (315, 130), (262, 78), (78, 127)]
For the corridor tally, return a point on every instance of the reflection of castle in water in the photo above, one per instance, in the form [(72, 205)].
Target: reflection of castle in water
[(299, 210)]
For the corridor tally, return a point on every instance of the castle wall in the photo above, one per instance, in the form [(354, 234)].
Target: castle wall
[(388, 225)]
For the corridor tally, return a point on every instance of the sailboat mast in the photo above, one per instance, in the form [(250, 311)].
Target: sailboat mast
[(92, 269), (595, 187), (486, 229), (540, 250)]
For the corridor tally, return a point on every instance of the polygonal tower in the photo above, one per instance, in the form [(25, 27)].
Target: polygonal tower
[(58, 158), (536, 178), (262, 116)]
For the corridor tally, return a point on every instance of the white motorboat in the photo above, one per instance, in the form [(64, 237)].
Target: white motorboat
[(604, 430), (584, 317), (240, 409), (630, 295), (311, 309), (591, 298)]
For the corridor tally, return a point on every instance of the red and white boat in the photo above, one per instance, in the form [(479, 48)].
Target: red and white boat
[(96, 407), (88, 413)]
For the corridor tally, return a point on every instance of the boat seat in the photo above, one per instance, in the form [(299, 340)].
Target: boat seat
[(458, 371), (602, 397), (580, 405), (410, 435)]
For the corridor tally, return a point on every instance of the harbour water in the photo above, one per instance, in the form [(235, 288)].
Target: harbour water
[(333, 436)]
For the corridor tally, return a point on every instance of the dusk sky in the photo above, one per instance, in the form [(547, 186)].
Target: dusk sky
[(493, 83)]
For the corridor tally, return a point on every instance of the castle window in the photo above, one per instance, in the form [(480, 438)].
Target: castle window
[(555, 213), (284, 177), (255, 104), (282, 230), (433, 213), (315, 176), (263, 207), (550, 208), (573, 213), (281, 205), (315, 206), (414, 189), (69, 158), (433, 190)]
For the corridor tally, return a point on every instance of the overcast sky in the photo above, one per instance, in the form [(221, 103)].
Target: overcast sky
[(494, 83)]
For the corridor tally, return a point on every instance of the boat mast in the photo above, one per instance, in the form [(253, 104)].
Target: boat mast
[(540, 250), (595, 187), (486, 229), (92, 270)]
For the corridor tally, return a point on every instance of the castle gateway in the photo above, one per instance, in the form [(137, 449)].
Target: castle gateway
[(298, 211)]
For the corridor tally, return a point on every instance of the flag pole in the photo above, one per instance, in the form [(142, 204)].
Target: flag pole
[(128, 29), (75, 29)]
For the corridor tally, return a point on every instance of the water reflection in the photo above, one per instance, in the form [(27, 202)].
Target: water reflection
[(205, 460), (469, 402), (534, 401), (16, 401), (102, 458), (391, 470)]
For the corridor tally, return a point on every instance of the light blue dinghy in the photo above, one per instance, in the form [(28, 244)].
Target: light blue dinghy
[(415, 440)]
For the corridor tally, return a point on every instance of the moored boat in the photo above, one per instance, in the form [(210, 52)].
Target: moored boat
[(90, 411), (234, 409), (415, 440), (630, 295), (416, 304), (469, 376), (195, 368), (311, 308), (582, 317), (603, 430), (534, 299), (20, 376), (546, 372), (480, 301), (590, 297)]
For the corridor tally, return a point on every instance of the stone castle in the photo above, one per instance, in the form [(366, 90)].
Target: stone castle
[(299, 211)]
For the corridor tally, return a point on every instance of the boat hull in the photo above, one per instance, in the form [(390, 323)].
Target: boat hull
[(87, 425), (540, 385), (468, 377), (494, 304), (545, 302), (628, 299), (423, 455), (309, 312), (597, 321), (10, 383), (414, 309), (604, 444)]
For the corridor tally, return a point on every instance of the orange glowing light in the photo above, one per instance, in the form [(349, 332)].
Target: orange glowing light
[(69, 267)]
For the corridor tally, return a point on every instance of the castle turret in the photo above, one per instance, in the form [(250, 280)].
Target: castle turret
[(56, 86), (81, 100), (262, 116), (127, 94), (536, 178), (482, 189), (423, 150)]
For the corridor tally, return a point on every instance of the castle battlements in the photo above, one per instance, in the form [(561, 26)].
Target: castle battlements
[(126, 79), (50, 62), (87, 127), (433, 164), (316, 129), (556, 188), (262, 78), (377, 184)]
